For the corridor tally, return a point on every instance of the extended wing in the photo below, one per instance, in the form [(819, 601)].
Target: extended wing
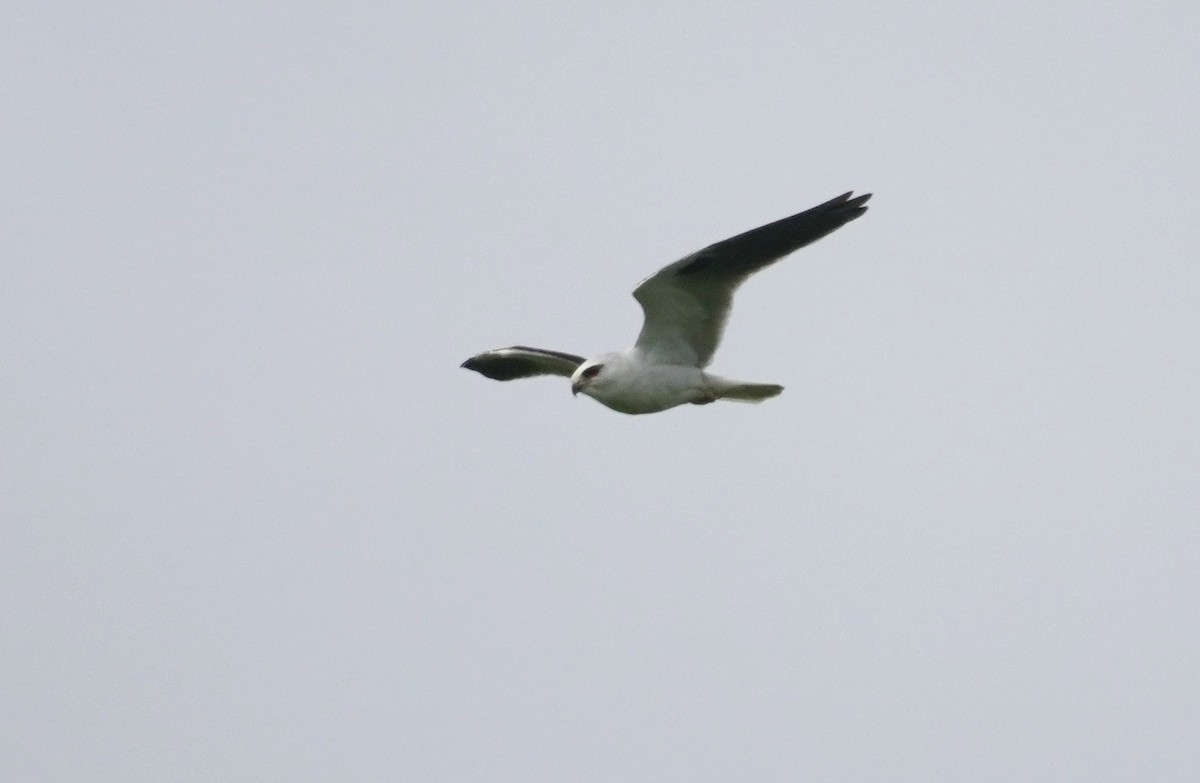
[(686, 304), (505, 364)]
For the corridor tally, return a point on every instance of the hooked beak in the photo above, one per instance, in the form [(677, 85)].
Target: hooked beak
[(576, 386)]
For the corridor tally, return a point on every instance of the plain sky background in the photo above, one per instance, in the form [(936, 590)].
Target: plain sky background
[(258, 525)]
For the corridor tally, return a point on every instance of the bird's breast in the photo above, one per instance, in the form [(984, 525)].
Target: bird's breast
[(650, 388)]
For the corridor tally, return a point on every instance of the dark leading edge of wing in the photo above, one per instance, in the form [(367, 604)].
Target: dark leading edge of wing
[(747, 253), (519, 361)]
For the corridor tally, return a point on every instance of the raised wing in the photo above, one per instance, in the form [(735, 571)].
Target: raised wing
[(687, 303), (519, 361)]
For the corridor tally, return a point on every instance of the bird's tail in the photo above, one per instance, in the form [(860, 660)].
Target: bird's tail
[(739, 391)]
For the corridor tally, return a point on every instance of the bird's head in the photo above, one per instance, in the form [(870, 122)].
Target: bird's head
[(587, 375)]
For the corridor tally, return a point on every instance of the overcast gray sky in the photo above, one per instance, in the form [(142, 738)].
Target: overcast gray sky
[(258, 525)]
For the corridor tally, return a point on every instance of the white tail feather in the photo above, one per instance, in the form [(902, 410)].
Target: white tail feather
[(738, 391)]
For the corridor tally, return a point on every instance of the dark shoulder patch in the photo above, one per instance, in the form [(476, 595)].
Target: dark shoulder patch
[(697, 264), (569, 357)]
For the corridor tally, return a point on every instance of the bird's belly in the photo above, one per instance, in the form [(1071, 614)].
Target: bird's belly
[(656, 390)]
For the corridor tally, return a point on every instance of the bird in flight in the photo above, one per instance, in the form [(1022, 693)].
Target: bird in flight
[(685, 306)]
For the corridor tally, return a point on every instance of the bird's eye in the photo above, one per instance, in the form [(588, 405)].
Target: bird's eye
[(593, 371)]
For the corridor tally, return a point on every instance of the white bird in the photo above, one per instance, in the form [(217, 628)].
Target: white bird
[(685, 307)]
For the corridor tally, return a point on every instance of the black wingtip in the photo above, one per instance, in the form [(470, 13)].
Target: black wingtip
[(487, 369), (854, 208), (845, 206), (858, 201)]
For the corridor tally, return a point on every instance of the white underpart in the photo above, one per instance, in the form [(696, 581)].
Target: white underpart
[(628, 383)]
